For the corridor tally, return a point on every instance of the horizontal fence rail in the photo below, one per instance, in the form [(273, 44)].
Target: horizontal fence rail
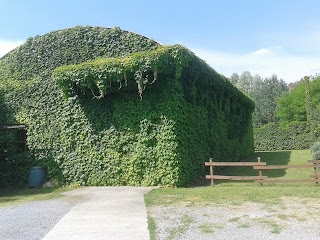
[(274, 167), (235, 164), (262, 166)]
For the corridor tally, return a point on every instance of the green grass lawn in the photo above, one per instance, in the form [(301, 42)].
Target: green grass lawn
[(276, 158), (239, 192), (9, 197)]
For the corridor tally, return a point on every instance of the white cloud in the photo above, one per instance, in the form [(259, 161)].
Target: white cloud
[(262, 51), (264, 61), (6, 46)]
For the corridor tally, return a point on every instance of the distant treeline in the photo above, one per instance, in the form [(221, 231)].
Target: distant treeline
[(282, 105)]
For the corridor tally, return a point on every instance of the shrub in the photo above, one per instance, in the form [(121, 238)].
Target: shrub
[(315, 150)]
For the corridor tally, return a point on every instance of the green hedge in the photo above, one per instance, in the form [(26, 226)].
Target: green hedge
[(190, 113), (296, 135)]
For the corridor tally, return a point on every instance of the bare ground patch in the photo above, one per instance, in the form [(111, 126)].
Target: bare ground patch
[(291, 218)]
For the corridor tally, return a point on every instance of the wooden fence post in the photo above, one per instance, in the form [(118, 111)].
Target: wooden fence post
[(316, 166), (260, 171), (211, 172)]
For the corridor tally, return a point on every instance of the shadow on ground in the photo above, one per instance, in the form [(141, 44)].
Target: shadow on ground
[(271, 158)]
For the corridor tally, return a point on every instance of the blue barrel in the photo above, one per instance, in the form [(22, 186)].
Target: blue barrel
[(37, 176)]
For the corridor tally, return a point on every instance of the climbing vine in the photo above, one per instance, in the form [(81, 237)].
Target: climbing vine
[(102, 74), (39, 55), (188, 112)]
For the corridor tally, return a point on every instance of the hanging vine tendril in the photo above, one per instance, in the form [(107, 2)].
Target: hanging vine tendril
[(167, 60)]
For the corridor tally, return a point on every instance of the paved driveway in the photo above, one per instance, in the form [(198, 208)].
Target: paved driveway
[(108, 213), (104, 213), (32, 221)]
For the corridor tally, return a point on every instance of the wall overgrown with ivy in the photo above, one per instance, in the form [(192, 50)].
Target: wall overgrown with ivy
[(14, 162), (295, 135), (131, 132)]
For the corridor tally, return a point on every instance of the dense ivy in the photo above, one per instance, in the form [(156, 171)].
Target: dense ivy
[(143, 68), (190, 113), (295, 135), (14, 163), (41, 54), (214, 119), (25, 68)]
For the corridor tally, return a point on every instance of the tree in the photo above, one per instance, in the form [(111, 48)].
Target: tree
[(292, 105), (309, 111), (245, 83), (315, 97), (264, 92), (234, 79)]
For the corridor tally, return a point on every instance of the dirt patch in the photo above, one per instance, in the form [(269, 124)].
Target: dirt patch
[(290, 218)]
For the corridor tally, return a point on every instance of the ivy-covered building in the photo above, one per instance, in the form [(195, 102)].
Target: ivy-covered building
[(109, 107)]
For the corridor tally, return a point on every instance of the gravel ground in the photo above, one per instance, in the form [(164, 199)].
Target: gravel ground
[(290, 219), (32, 221)]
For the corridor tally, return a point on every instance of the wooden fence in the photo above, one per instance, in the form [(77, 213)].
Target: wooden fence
[(260, 178)]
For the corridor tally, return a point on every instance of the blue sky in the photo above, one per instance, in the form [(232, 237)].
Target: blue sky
[(264, 37)]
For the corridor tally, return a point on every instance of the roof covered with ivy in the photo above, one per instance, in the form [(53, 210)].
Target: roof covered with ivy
[(39, 55)]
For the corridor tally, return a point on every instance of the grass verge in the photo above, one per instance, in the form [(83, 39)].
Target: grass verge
[(9, 197), (151, 227), (239, 192), (228, 192)]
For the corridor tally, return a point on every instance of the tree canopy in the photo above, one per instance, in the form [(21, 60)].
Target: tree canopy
[(291, 106), (264, 92)]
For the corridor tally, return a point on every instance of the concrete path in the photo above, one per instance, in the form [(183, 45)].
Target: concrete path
[(104, 213)]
